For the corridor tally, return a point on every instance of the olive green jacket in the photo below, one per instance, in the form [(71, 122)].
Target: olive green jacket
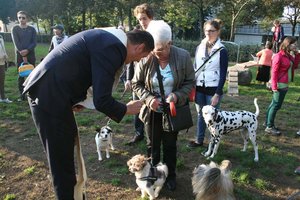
[(183, 74)]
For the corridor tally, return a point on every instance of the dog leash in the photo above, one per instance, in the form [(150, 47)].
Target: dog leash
[(152, 177)]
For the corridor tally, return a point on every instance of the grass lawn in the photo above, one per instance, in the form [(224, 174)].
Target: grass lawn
[(24, 170)]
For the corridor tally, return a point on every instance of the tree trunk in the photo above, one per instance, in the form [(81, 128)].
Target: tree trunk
[(232, 26), (38, 28), (293, 29), (201, 20), (129, 19), (83, 19)]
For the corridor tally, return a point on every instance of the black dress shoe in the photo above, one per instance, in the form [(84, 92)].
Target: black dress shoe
[(136, 139), (171, 184)]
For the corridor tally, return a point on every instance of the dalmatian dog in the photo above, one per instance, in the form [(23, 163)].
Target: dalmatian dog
[(222, 122), (103, 139)]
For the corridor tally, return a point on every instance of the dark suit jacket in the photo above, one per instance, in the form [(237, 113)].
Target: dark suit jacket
[(89, 58)]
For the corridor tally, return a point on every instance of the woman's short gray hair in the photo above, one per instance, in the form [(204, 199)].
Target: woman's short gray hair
[(160, 31)]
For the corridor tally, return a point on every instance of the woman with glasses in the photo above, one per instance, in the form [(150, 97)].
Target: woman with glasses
[(24, 39), (282, 72), (211, 62), (177, 73)]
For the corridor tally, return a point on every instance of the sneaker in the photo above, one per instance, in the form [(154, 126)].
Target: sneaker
[(298, 133), (272, 130), (5, 100), (193, 144), (265, 125)]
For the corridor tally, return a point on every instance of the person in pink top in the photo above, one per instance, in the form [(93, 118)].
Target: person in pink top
[(278, 35), (282, 72), (265, 62)]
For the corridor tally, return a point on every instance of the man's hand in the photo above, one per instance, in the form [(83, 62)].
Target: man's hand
[(134, 107)]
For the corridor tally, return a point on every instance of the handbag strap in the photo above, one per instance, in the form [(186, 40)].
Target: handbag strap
[(208, 59), (2, 47), (161, 88)]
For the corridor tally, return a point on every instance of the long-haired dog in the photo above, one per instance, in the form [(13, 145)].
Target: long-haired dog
[(213, 182), (222, 122), (103, 140), (150, 180)]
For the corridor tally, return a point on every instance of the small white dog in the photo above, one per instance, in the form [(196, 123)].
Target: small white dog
[(149, 180), (222, 122), (103, 139), (213, 182)]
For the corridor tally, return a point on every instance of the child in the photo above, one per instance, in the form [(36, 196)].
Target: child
[(265, 62)]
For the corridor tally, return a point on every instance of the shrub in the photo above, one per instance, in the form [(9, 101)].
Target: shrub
[(243, 55)]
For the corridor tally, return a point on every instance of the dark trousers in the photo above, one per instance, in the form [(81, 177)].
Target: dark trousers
[(138, 124), (58, 137), (157, 137)]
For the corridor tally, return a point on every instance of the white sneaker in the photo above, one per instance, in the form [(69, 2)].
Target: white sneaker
[(298, 133), (5, 100)]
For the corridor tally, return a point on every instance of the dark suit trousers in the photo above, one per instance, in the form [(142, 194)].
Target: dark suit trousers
[(166, 139), (57, 135)]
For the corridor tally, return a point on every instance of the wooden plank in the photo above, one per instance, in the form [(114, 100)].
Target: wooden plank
[(233, 78), (234, 73), (233, 90), (233, 84)]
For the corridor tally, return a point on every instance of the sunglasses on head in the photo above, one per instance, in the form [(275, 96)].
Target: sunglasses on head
[(21, 17)]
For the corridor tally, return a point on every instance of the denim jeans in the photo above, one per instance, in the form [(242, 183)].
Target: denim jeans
[(200, 101), (275, 105)]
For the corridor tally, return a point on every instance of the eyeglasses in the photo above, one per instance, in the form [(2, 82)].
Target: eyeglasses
[(210, 31), (21, 17)]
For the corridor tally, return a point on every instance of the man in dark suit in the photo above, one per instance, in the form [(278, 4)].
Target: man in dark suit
[(60, 81)]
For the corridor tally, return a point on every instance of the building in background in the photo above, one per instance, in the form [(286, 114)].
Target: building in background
[(251, 35)]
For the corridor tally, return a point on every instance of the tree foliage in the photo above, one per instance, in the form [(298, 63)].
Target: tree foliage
[(7, 9), (186, 17)]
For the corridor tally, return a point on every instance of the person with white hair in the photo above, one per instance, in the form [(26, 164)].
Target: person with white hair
[(178, 75)]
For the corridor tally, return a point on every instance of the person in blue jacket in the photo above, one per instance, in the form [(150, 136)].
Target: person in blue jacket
[(60, 82)]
